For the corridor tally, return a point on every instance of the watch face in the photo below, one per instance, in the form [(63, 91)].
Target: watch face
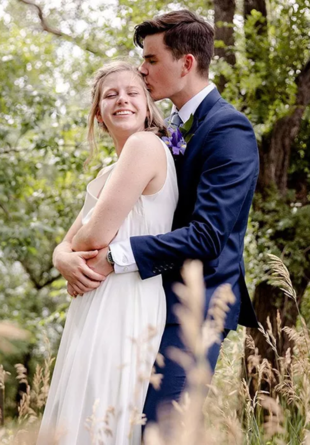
[(110, 258)]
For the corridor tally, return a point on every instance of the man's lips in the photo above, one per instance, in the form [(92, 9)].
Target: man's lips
[(148, 86)]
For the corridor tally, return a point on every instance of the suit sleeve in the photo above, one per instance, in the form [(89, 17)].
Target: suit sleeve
[(230, 169)]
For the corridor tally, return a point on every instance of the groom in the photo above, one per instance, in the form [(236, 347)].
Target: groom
[(216, 177)]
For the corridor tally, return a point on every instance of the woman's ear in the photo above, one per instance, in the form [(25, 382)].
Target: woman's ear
[(99, 118)]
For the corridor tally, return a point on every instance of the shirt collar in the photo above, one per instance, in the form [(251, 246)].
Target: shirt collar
[(191, 106)]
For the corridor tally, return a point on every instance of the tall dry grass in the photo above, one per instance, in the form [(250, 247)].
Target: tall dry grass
[(220, 411), (25, 430)]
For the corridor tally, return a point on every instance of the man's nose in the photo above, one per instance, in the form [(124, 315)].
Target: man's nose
[(142, 69)]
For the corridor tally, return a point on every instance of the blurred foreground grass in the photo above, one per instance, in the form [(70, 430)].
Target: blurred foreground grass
[(227, 414)]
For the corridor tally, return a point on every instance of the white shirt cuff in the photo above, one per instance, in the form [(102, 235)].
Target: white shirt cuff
[(123, 257)]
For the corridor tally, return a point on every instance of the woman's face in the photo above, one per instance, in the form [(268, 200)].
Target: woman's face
[(123, 105)]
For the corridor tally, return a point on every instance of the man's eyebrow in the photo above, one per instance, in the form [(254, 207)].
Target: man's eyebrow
[(149, 56)]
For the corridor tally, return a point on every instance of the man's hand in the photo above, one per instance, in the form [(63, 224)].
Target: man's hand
[(73, 267), (99, 263)]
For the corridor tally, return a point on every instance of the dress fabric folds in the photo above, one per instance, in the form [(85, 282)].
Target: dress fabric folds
[(111, 338)]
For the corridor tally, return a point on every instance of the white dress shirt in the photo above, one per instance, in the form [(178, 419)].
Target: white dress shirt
[(121, 251)]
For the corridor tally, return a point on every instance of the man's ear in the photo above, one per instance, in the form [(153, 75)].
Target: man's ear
[(189, 62)]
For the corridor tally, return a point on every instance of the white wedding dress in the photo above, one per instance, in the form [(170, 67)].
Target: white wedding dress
[(111, 339)]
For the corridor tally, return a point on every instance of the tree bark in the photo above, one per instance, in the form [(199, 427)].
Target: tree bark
[(224, 11), (275, 150)]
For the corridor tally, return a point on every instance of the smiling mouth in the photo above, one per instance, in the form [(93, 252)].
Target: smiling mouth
[(123, 113)]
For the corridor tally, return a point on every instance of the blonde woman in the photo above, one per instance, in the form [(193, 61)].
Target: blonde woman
[(113, 332)]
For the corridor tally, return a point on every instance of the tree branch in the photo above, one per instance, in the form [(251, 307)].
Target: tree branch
[(4, 211), (46, 27), (7, 151), (37, 283)]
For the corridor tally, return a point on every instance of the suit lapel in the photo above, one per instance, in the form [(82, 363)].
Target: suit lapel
[(201, 113), (205, 107)]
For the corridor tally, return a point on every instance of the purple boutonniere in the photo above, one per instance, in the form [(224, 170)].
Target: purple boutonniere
[(175, 141), (179, 137)]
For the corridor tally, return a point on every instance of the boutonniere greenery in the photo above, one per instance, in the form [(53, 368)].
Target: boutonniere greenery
[(179, 137)]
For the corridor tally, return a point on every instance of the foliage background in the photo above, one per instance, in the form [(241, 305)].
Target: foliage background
[(45, 72)]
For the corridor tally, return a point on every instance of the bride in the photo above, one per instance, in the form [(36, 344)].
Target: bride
[(112, 333)]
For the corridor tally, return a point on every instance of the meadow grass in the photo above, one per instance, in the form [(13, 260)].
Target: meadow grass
[(211, 411)]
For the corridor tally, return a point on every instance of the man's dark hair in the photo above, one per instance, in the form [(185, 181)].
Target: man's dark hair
[(184, 33)]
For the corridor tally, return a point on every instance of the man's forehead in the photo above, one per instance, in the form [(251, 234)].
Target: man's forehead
[(152, 45)]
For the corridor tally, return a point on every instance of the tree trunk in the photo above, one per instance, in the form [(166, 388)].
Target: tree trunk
[(276, 150), (275, 158), (224, 11)]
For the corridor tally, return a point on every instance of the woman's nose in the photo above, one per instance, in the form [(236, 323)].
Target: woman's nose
[(122, 98)]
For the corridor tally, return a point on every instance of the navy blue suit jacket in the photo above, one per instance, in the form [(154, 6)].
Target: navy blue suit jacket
[(216, 178)]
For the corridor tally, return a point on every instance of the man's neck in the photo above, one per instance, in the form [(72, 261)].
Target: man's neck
[(193, 87)]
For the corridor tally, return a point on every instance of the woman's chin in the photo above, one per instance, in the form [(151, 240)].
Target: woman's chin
[(126, 130)]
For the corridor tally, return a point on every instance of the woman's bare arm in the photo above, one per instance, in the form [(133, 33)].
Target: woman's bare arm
[(140, 161)]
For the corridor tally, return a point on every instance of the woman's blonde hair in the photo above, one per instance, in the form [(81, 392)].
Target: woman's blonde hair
[(154, 122)]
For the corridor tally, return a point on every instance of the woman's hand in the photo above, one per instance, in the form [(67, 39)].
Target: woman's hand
[(73, 267), (71, 291)]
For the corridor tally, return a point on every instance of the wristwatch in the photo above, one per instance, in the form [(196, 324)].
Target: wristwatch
[(110, 258)]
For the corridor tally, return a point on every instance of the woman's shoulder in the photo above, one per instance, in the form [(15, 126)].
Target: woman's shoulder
[(144, 141), (144, 136), (106, 169)]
